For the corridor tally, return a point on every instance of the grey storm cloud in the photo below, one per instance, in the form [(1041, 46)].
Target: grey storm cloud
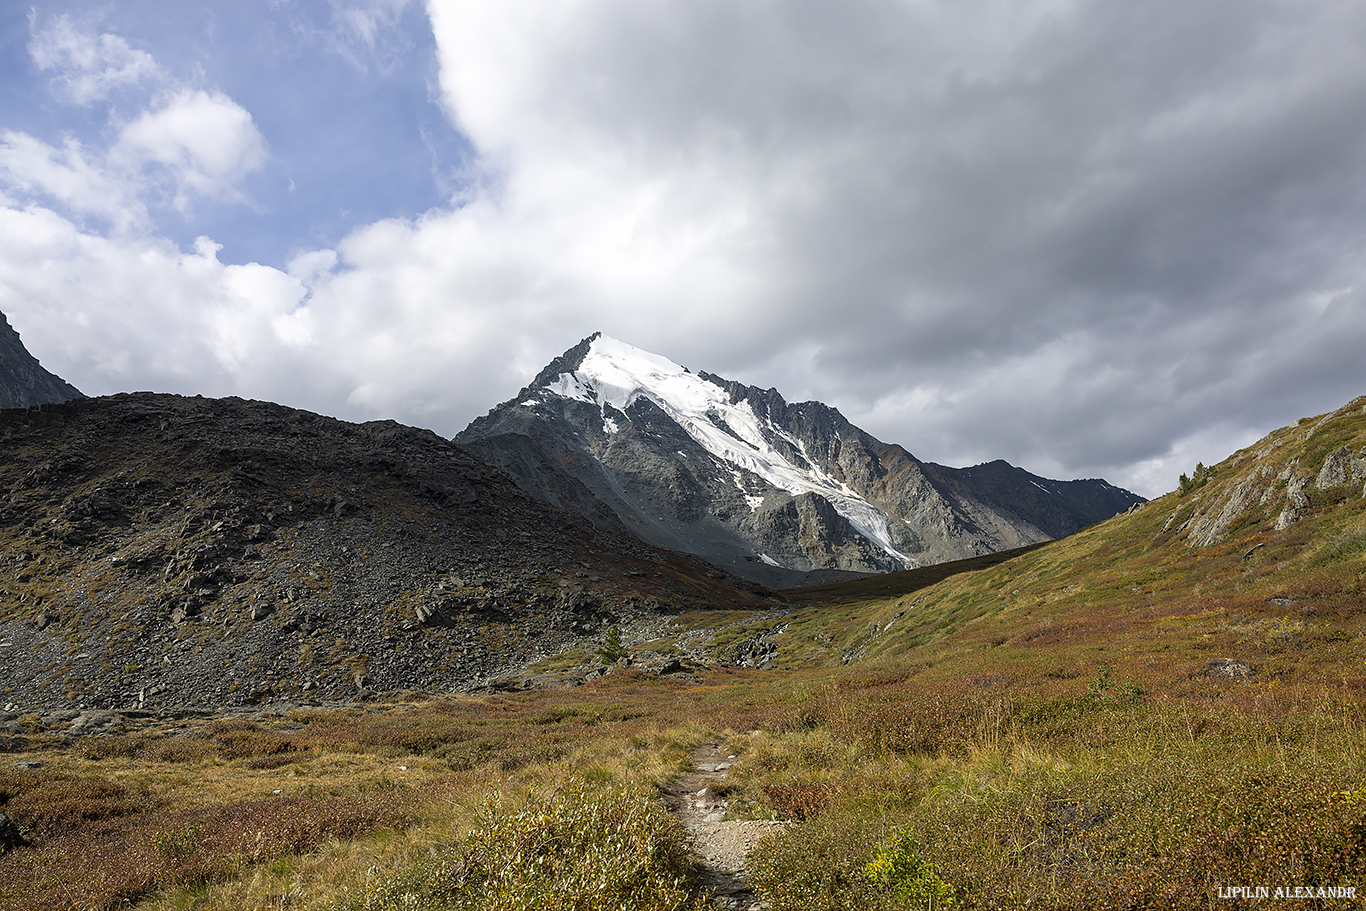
[(1093, 238), (1141, 220)]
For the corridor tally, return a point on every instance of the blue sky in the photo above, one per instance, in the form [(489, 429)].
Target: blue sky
[(345, 99), (1094, 238)]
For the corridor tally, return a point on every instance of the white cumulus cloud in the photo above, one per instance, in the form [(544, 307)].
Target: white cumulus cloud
[(182, 144), (134, 312), (205, 141), (69, 176)]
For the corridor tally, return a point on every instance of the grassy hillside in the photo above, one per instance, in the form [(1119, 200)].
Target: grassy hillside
[(1152, 713), (1152, 597)]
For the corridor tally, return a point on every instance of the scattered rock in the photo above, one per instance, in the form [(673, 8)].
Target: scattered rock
[(259, 549), (184, 612), (758, 651), (1228, 667), (88, 723)]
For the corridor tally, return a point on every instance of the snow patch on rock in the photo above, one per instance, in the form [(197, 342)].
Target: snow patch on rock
[(617, 374)]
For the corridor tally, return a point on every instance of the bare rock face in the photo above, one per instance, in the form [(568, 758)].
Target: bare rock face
[(1286, 518), (767, 489), (1334, 470), (23, 381)]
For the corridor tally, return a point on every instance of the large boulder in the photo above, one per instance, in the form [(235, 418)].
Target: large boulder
[(1334, 470)]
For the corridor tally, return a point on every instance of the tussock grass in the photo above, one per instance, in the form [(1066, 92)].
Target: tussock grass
[(1053, 803)]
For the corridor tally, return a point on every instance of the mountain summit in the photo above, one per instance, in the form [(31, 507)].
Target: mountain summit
[(769, 490)]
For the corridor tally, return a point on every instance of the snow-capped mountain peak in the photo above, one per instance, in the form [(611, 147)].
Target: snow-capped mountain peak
[(615, 374), (768, 489)]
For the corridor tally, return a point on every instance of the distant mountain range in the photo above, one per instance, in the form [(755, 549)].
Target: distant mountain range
[(777, 493), (167, 551), (770, 490), (23, 381)]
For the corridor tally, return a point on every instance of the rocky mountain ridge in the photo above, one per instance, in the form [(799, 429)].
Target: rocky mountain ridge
[(162, 550), (768, 489), (23, 381)]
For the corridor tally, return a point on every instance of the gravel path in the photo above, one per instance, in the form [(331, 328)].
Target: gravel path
[(721, 844)]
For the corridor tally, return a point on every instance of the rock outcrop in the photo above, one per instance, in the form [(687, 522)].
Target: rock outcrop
[(1275, 481), (23, 381)]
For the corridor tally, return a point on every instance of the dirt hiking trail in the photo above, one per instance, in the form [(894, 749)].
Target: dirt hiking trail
[(720, 843)]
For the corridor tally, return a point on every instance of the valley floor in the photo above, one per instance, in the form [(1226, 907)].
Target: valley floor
[(869, 791)]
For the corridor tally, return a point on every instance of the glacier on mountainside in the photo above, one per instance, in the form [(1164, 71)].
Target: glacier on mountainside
[(617, 374)]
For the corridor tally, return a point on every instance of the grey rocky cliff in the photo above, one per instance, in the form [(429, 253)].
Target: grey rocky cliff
[(23, 381), (1273, 484)]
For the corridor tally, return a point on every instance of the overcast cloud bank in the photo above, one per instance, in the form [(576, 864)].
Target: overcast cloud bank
[(1095, 239)]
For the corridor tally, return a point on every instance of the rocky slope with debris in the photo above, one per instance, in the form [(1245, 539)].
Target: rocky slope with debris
[(161, 550), (767, 489)]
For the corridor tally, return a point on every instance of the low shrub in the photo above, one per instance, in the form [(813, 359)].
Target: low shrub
[(900, 875), (817, 865), (98, 748), (798, 799), (123, 859), (177, 749), (1155, 815), (59, 804), (574, 848)]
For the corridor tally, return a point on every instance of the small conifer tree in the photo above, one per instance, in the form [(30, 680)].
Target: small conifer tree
[(613, 651)]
